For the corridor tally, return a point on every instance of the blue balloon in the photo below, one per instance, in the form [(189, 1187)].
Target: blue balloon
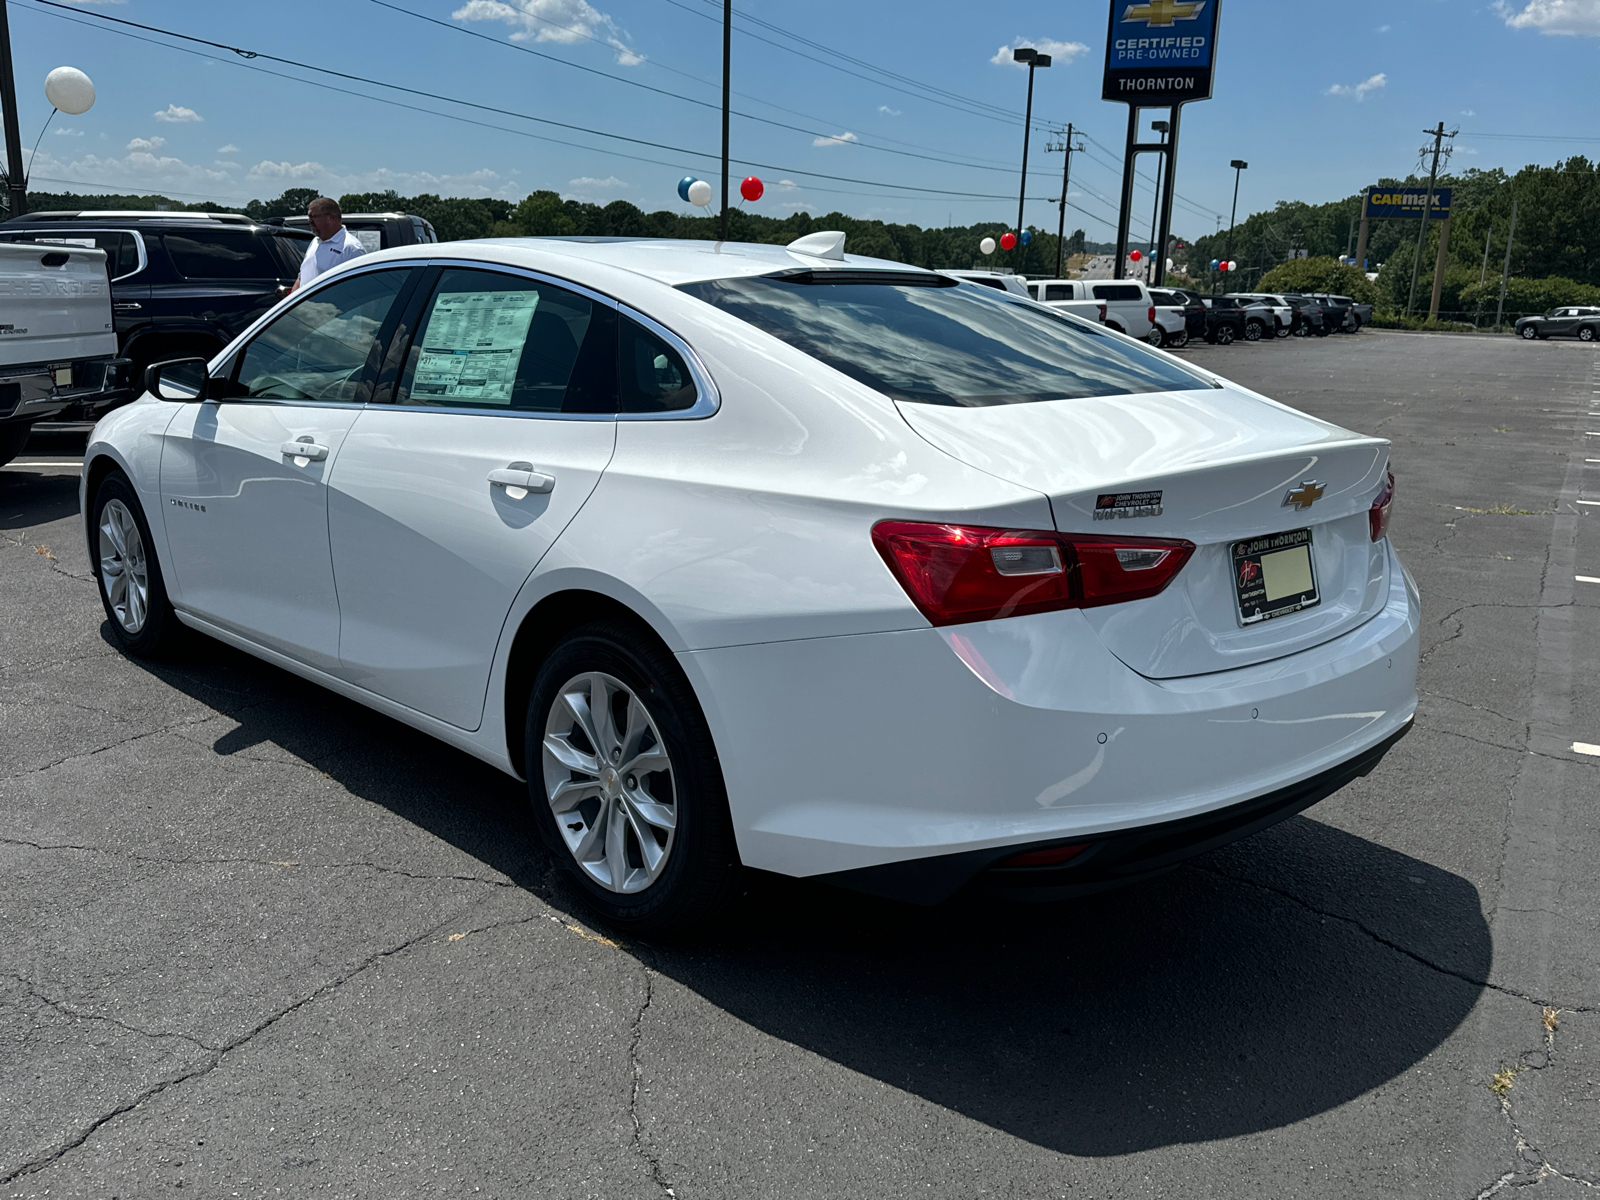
[(1027, 236), (683, 187), (1214, 264)]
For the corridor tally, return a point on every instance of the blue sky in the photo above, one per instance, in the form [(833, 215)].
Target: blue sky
[(1320, 99)]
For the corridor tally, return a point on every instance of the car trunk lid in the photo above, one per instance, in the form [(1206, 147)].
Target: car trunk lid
[(1213, 466)]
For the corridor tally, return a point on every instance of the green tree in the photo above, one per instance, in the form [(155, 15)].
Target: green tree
[(1319, 275)]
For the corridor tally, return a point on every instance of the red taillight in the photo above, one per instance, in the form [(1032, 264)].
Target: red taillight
[(1151, 315), (1044, 858), (1382, 507), (958, 573), (1102, 314)]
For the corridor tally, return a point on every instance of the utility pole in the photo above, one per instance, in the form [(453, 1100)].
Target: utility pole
[(727, 60), (1034, 59), (1484, 274), (1427, 208), (1066, 176), (1505, 272), (16, 184)]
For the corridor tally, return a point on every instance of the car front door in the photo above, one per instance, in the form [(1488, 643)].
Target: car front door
[(448, 492), (246, 510), (220, 280), (1562, 323)]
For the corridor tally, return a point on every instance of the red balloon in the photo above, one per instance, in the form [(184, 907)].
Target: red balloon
[(752, 188), (1008, 241), (1136, 256)]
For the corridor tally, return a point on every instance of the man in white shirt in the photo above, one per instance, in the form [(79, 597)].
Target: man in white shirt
[(334, 245)]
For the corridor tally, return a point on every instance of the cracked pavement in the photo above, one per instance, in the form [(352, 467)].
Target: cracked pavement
[(255, 939)]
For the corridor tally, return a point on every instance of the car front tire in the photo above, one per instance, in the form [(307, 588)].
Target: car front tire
[(13, 437), (1156, 337), (132, 589), (1528, 333), (1225, 335), (625, 782)]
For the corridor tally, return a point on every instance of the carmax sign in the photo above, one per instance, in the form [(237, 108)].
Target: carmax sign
[(1384, 202)]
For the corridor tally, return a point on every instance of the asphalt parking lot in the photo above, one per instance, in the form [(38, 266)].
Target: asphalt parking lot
[(256, 940)]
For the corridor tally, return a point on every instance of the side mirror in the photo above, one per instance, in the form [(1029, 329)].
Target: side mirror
[(181, 379)]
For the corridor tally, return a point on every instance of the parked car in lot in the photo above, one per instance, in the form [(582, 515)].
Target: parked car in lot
[(1000, 281), (1303, 313), (749, 554), (375, 231), (1173, 314), (58, 347), (1057, 294), (1282, 311), (1223, 325), (1572, 321), (1356, 313), (1129, 308), (1259, 321), (182, 283)]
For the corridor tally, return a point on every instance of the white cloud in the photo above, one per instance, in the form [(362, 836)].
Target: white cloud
[(230, 148), (1467, 112), (227, 166), (290, 172), (787, 185), (554, 21), (885, 110), (177, 114), (68, 131), (1567, 18), (838, 139), (1061, 53), (587, 187), (1384, 28), (1370, 84), (147, 145)]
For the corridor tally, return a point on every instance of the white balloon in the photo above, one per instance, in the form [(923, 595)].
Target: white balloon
[(987, 245), (69, 90), (1233, 266), (700, 193)]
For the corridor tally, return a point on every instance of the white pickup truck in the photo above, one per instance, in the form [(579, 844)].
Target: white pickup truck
[(58, 347), (1128, 306), (1016, 285)]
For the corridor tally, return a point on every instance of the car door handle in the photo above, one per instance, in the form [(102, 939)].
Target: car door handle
[(527, 479), (307, 449), (129, 306)]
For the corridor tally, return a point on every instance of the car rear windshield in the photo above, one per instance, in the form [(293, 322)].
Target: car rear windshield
[(234, 254), (929, 340)]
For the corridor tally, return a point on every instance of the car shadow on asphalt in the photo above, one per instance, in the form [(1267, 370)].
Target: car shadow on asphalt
[(37, 496), (1264, 983)]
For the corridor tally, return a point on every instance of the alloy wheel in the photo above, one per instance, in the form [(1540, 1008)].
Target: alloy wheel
[(610, 782), (1252, 332), (1586, 334), (124, 569), (1528, 332)]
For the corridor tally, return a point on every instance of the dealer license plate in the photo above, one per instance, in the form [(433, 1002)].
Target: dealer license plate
[(1274, 575)]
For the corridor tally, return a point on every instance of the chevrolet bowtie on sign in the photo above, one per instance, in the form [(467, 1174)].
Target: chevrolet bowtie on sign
[(1160, 53)]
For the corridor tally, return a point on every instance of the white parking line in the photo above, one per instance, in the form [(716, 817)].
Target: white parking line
[(1590, 503), (1587, 578), (1586, 748), (44, 464)]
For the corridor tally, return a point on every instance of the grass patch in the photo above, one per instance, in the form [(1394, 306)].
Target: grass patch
[(1500, 1085)]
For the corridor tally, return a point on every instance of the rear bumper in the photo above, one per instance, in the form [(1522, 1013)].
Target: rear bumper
[(846, 753), (1109, 861), (69, 390)]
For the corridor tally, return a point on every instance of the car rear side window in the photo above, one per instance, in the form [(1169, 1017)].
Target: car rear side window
[(937, 343), (225, 254), (122, 254), (490, 340), (1116, 291), (1058, 291), (654, 376)]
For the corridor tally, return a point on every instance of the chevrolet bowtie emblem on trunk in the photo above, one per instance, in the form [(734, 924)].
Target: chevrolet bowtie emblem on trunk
[(1304, 496), (1163, 12)]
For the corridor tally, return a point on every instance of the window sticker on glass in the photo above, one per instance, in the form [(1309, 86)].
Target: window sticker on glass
[(472, 345)]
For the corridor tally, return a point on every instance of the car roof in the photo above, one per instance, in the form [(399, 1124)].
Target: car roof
[(133, 214), (665, 260)]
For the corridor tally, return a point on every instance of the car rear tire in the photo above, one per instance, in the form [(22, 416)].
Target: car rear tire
[(640, 825), (13, 437), (1177, 341), (1284, 330), (1254, 331), (1528, 333), (1225, 335), (126, 570), (1586, 334), (1114, 327), (1155, 337)]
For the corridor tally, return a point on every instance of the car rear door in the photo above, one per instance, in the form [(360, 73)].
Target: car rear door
[(246, 511), (450, 489), (222, 279)]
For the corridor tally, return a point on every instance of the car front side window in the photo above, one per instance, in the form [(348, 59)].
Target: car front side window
[(326, 347)]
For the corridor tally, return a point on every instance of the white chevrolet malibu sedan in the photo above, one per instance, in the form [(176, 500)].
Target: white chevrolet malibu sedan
[(776, 557)]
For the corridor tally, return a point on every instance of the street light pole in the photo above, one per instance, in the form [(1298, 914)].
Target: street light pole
[(1034, 59), (1239, 167), (727, 57), (1160, 127), (16, 185)]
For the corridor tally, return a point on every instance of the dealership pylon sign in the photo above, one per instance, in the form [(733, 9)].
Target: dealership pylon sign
[(1159, 54)]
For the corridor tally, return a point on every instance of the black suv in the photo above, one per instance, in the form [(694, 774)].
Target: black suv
[(183, 284)]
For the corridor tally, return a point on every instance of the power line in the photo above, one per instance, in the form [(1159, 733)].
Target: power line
[(249, 54)]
